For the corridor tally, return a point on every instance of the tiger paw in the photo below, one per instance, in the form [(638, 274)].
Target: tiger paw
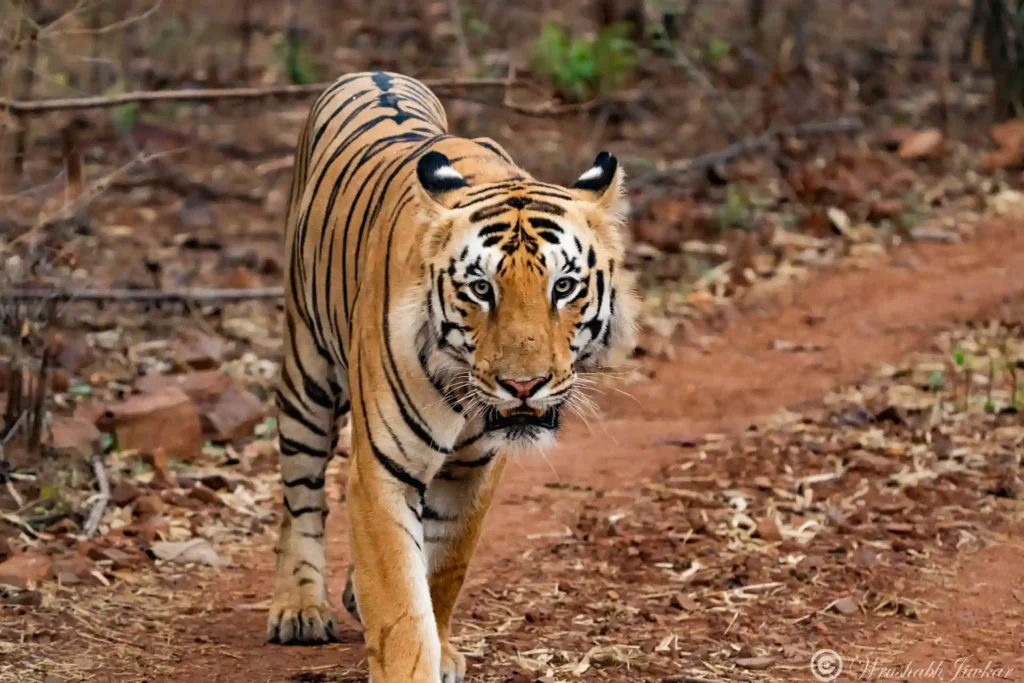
[(294, 620), (453, 664)]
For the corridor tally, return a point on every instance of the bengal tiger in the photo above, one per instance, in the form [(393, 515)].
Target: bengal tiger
[(446, 302)]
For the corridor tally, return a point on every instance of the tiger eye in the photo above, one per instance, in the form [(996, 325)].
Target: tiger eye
[(564, 285), (482, 289)]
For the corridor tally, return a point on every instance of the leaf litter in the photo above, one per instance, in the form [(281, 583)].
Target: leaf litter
[(736, 563)]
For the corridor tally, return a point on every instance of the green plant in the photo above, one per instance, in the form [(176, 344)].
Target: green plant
[(716, 51), (738, 209), (293, 53), (581, 68), (125, 116), (936, 380)]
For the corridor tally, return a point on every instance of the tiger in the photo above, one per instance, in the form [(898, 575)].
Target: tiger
[(446, 304)]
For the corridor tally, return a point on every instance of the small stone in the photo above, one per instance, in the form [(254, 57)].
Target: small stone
[(24, 598), (768, 530), (684, 602), (845, 606), (125, 493), (755, 662), (204, 495), (150, 505)]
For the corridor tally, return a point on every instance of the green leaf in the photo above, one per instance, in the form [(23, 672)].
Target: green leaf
[(80, 389), (108, 442)]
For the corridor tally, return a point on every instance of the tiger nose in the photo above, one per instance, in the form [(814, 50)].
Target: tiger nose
[(523, 388)]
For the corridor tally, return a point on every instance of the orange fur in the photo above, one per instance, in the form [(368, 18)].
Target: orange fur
[(431, 285)]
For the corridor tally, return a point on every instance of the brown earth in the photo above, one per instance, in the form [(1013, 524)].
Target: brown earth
[(860, 317)]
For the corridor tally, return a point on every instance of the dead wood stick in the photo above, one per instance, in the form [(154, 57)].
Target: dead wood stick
[(196, 295), (25, 107), (100, 506), (751, 145)]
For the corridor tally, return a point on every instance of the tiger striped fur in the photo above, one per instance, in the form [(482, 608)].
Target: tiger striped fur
[(448, 300)]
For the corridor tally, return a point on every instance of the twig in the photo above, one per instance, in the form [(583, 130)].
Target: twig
[(545, 108), (751, 145), (100, 506), (71, 210), (25, 107), (197, 295)]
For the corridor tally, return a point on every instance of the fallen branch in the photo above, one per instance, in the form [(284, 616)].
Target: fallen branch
[(100, 506), (751, 145), (27, 107), (142, 295)]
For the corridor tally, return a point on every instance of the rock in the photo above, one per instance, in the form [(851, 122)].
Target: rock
[(199, 351), (845, 606), (683, 602), (234, 415), (73, 569), (204, 495), (201, 387), (21, 598), (149, 506), (75, 436), (925, 144), (149, 529), (755, 662), (768, 530), (215, 481), (121, 559), (194, 551), (30, 568), (124, 493), (167, 419)]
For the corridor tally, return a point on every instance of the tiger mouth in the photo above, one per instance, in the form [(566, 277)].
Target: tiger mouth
[(522, 416)]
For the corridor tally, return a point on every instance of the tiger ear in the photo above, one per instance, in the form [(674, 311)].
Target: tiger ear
[(438, 178), (603, 183), (602, 188)]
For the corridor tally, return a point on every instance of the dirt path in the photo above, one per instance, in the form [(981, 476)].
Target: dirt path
[(858, 318)]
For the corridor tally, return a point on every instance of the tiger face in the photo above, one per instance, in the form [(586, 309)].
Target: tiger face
[(525, 289)]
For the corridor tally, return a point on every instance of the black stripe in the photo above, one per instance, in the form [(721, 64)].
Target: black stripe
[(396, 470), (289, 409), (314, 483), (305, 564), (291, 447), (431, 514), (545, 224), (298, 512)]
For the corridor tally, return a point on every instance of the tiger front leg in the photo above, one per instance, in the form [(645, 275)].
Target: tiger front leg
[(389, 571), (299, 611), (454, 509)]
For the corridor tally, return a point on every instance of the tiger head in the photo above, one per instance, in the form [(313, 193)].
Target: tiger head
[(526, 289)]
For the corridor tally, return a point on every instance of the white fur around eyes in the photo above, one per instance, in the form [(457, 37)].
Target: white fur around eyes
[(595, 172)]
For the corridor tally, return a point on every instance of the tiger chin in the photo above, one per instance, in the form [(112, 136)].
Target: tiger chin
[(450, 305)]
